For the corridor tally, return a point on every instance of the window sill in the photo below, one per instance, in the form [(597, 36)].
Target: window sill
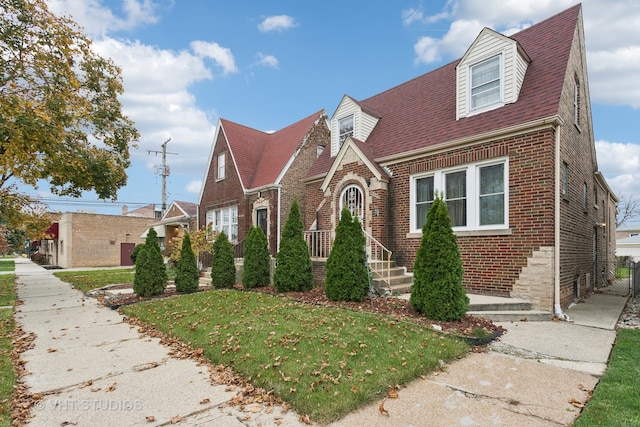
[(471, 233)]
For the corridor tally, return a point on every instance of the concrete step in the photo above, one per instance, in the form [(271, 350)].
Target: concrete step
[(513, 315)]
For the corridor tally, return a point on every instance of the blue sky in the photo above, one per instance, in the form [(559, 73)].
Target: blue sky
[(267, 64)]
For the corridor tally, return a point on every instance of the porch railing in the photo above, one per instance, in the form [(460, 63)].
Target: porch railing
[(320, 243)]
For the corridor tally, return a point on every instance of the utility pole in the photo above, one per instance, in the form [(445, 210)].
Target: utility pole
[(164, 172)]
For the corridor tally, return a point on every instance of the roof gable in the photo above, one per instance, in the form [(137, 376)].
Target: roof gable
[(261, 158)]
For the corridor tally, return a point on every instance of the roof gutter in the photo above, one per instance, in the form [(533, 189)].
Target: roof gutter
[(544, 123)]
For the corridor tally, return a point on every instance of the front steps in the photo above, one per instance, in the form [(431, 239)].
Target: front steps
[(400, 281)]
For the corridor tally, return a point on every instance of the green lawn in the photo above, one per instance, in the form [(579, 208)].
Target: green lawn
[(616, 399), (93, 279), (7, 265), (7, 375), (325, 362)]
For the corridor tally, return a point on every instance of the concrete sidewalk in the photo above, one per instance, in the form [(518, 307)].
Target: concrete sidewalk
[(92, 369), (95, 370)]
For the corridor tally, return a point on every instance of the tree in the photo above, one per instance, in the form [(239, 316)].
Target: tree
[(150, 278), (628, 210), (347, 278), (257, 260), (135, 252), (223, 267), (60, 117), (294, 271), (187, 275), (437, 290)]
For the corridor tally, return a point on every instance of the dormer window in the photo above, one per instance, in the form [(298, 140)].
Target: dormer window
[(345, 126), (486, 85)]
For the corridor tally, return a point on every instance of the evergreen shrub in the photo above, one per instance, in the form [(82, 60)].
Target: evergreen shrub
[(257, 260), (294, 271), (187, 274), (223, 267)]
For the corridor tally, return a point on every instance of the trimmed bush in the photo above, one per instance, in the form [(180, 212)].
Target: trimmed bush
[(151, 274), (135, 252), (294, 271), (187, 275), (347, 278), (437, 273), (257, 259), (223, 267)]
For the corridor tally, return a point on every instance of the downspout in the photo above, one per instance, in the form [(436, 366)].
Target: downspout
[(557, 308), (278, 220)]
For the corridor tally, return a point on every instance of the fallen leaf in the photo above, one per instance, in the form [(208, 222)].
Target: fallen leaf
[(150, 418), (354, 389), (205, 401), (95, 389), (305, 419), (576, 403), (176, 419), (112, 387), (393, 393), (51, 350), (382, 410)]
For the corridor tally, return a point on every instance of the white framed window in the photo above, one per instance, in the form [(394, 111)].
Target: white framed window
[(353, 199), (576, 102), (476, 195), (485, 83), (345, 128), (221, 166), (225, 219)]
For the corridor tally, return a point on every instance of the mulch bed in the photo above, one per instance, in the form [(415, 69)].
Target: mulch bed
[(478, 331)]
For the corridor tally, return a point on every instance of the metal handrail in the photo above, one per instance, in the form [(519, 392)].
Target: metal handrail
[(320, 243)]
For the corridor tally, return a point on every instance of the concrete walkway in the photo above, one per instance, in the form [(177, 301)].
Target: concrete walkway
[(92, 369)]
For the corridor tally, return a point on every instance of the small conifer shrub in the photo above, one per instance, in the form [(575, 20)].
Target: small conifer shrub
[(437, 289), (134, 253), (257, 259), (187, 274), (223, 267), (347, 278), (294, 271), (151, 274)]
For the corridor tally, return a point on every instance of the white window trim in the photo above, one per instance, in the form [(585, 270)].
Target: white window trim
[(220, 175), (473, 195), (211, 215), (353, 129), (472, 111)]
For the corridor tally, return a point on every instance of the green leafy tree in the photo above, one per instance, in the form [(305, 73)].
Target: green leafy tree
[(223, 267), (150, 278), (437, 272), (347, 278), (60, 117), (187, 275), (294, 271), (257, 259)]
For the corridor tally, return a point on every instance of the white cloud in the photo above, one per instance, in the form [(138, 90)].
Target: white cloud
[(157, 98), (613, 55), (98, 20), (194, 187), (221, 55), (620, 164), (277, 23), (267, 60)]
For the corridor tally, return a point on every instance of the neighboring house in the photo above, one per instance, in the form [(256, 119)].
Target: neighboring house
[(629, 246), (94, 240), (254, 176), (180, 217), (627, 232), (505, 134), (148, 211)]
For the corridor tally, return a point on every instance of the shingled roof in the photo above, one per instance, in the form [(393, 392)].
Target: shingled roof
[(421, 113), (260, 157)]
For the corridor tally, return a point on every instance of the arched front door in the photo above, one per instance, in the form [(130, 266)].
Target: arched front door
[(353, 199)]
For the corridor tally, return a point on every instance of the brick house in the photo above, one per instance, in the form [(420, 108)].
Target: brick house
[(505, 135), (253, 176), (179, 218), (95, 240)]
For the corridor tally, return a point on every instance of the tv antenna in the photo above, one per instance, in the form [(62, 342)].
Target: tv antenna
[(163, 171)]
